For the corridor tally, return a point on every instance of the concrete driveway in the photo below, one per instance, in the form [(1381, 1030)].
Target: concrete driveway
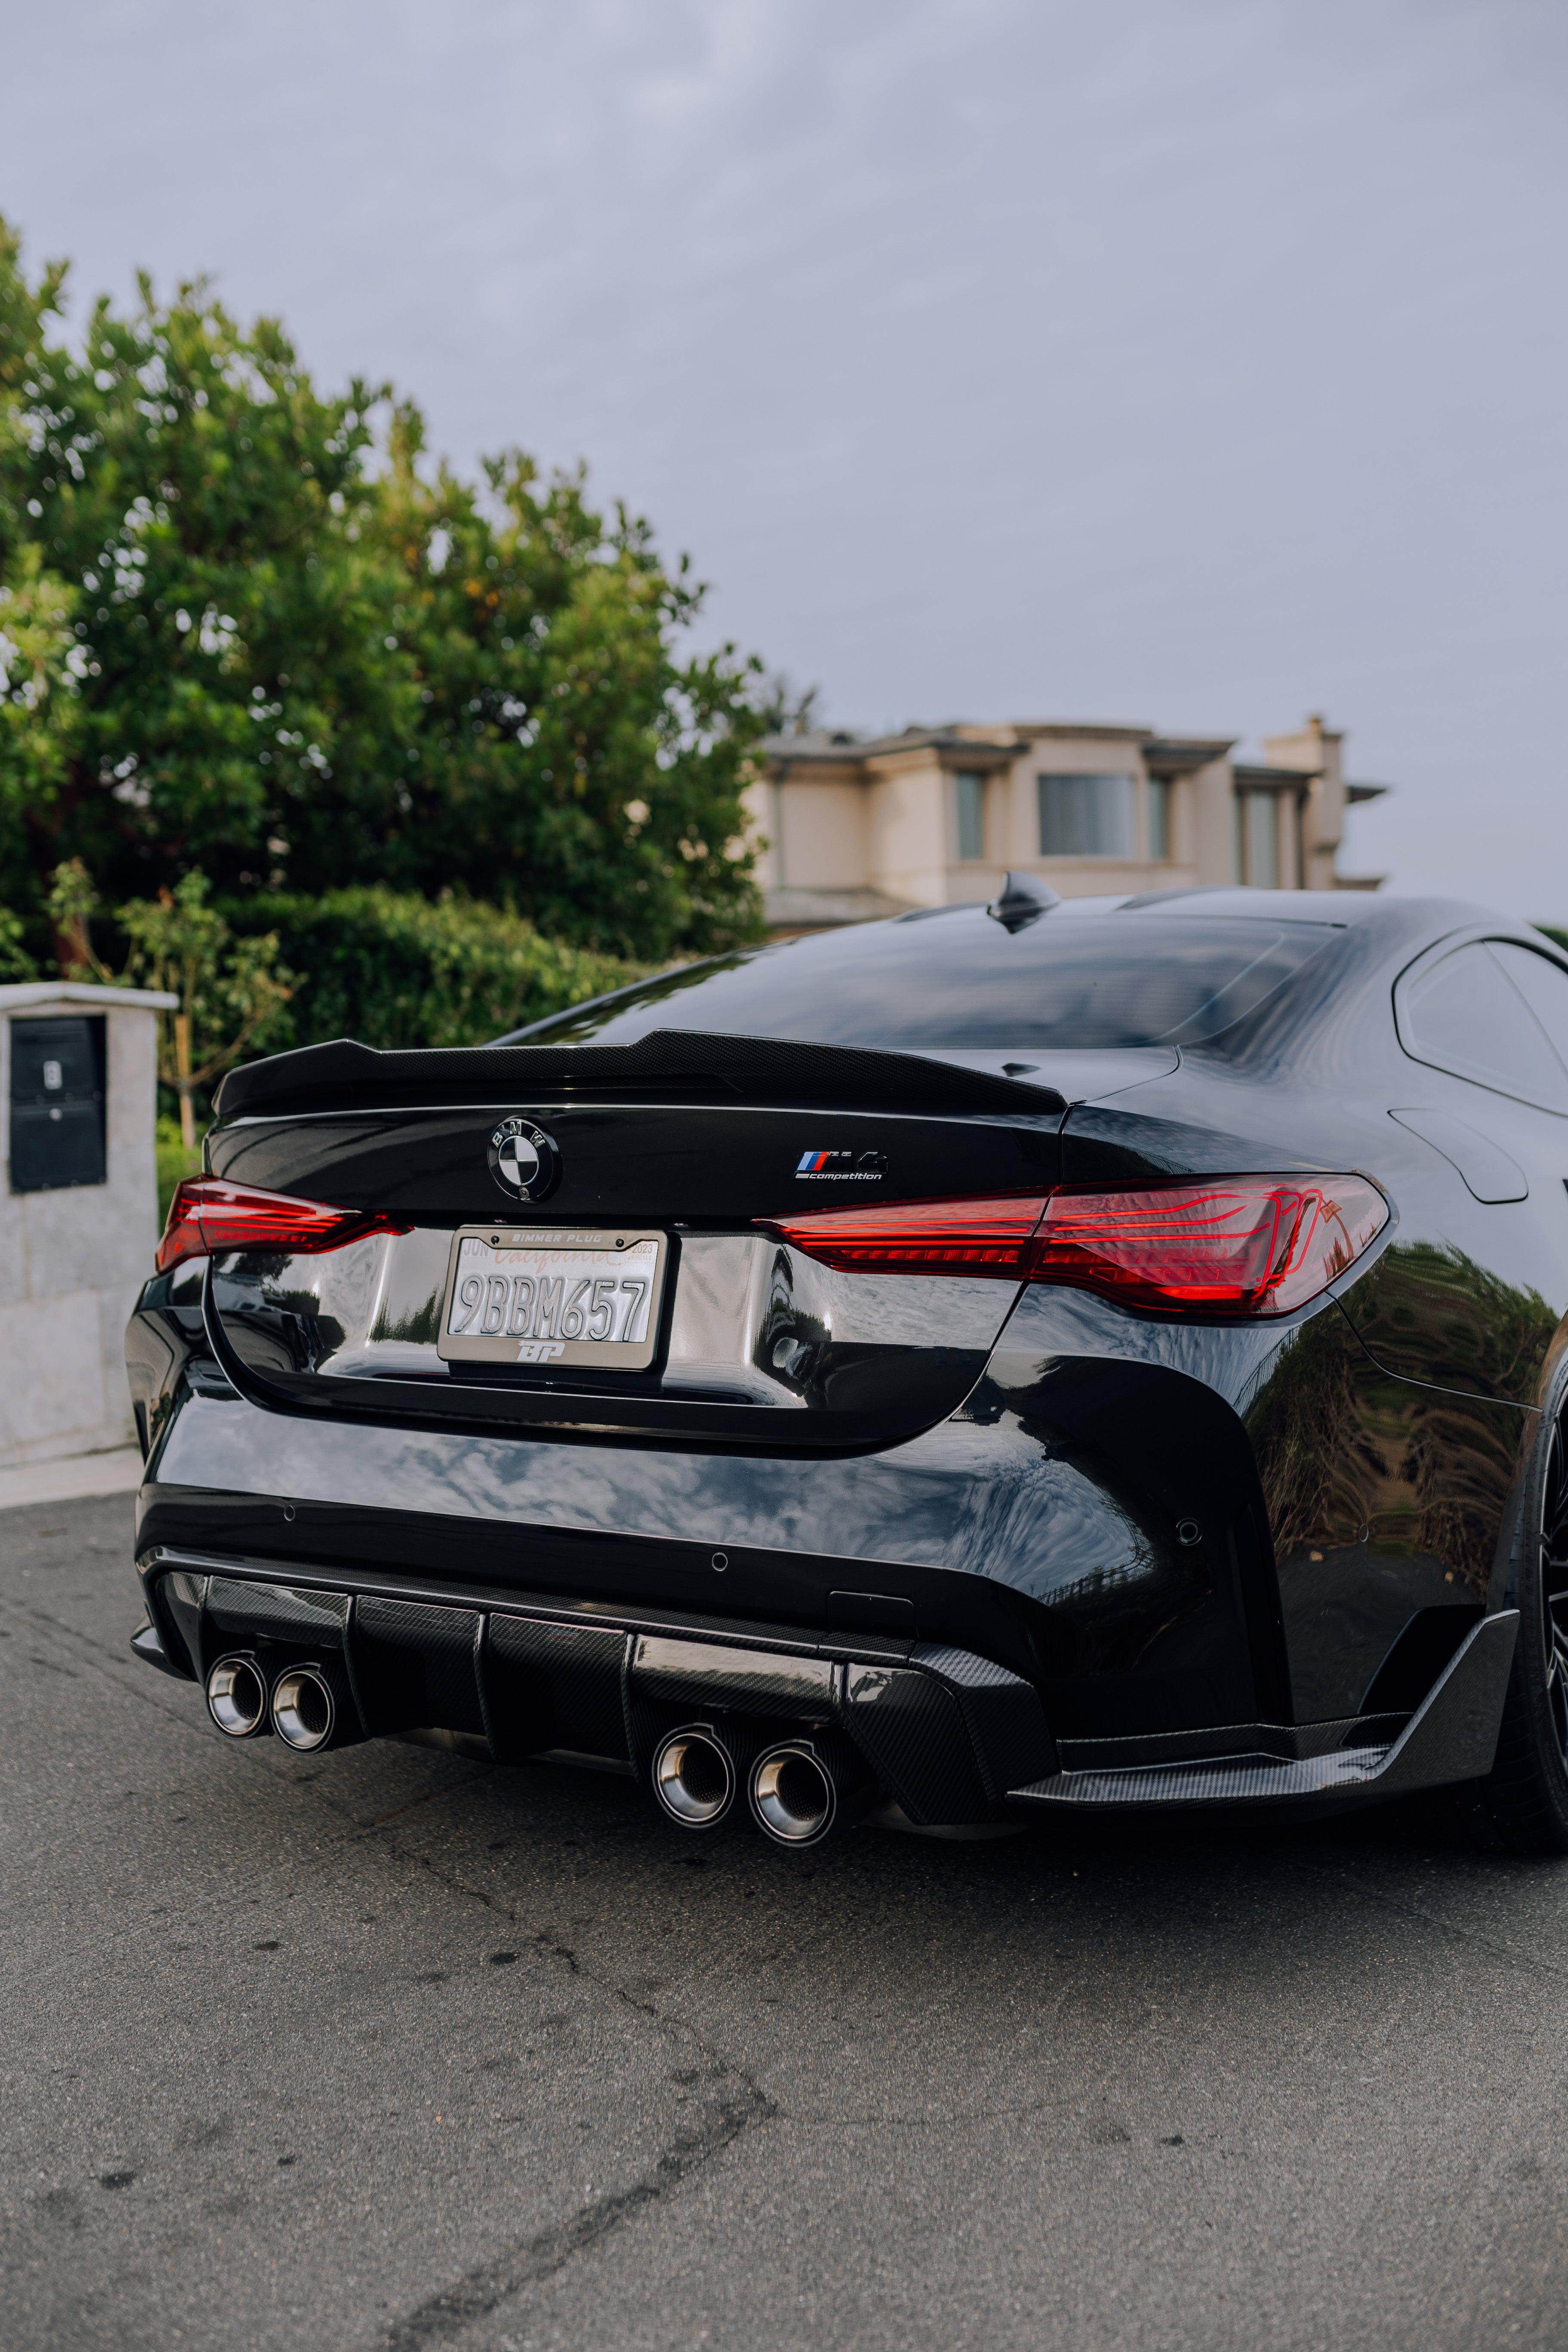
[(391, 2049)]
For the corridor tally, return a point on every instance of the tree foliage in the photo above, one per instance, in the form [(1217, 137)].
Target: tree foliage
[(250, 628), (230, 992)]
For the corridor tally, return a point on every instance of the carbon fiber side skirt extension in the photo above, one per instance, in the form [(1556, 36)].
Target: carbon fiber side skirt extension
[(1452, 1735)]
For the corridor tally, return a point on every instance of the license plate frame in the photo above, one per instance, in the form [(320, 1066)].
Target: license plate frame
[(580, 1260)]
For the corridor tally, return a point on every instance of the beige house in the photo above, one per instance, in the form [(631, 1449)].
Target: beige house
[(859, 828)]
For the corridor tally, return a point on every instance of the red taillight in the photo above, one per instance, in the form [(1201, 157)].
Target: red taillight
[(206, 1216), (919, 1236), (1232, 1245)]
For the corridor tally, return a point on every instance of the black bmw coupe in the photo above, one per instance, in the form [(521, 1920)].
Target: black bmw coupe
[(1008, 1360)]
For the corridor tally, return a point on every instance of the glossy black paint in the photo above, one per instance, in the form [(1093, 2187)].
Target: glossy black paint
[(689, 1164), (1218, 1534), (1390, 1444), (818, 1380), (859, 1396), (670, 1066)]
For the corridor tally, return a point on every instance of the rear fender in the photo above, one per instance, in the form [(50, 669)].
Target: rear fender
[(1366, 1499)]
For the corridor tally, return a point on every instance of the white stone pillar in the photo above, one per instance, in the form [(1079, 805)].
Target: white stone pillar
[(75, 1248)]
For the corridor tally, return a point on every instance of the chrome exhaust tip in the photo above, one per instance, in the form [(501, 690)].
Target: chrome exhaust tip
[(307, 1707), (693, 1777), (236, 1696), (794, 1793)]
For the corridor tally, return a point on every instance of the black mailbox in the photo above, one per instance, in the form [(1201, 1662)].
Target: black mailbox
[(56, 1103)]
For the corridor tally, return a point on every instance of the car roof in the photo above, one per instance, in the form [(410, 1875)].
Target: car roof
[(1339, 909)]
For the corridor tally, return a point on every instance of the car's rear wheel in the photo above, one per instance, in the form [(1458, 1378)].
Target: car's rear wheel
[(1521, 1806)]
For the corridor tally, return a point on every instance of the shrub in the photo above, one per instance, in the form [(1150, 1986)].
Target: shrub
[(177, 1159), (15, 963), (230, 992), (394, 970)]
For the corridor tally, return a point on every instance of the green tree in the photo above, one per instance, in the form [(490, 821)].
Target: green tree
[(204, 631), (567, 761), (41, 714), (231, 990), (237, 634)]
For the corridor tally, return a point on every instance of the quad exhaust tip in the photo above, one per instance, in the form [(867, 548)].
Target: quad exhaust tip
[(794, 1793), (305, 1709), (305, 1704), (693, 1777), (236, 1696)]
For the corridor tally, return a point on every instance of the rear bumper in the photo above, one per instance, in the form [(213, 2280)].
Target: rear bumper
[(953, 1737), (946, 1733), (1085, 1541)]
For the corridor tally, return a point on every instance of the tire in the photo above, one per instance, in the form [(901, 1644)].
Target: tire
[(1521, 1806)]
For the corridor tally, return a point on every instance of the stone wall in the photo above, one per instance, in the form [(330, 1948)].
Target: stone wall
[(72, 1260)]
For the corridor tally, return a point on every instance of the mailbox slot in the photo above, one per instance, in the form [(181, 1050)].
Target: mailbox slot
[(56, 1103)]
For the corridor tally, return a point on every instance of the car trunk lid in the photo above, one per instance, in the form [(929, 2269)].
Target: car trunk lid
[(754, 1343)]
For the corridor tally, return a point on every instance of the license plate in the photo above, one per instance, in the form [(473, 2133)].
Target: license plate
[(552, 1298)]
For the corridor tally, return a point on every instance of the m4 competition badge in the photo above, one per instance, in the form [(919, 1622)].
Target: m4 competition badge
[(524, 1160), (835, 1167)]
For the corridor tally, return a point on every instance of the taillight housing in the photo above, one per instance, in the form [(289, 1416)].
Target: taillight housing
[(1228, 1246), (206, 1216), (989, 1237), (1217, 1249)]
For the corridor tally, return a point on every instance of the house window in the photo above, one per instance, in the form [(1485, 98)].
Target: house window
[(1159, 818), (1257, 839), (969, 795), (1086, 816)]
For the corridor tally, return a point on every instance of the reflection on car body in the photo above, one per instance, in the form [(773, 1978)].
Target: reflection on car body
[(1097, 1355)]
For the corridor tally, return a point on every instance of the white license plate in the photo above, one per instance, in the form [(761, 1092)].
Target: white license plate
[(543, 1296)]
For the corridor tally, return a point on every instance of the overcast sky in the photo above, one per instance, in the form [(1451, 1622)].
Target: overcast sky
[(1197, 362)]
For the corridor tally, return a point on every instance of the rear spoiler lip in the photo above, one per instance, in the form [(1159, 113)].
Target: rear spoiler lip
[(747, 1072)]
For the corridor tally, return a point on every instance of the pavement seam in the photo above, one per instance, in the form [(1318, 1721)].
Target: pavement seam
[(481, 1773), (492, 2283), (1513, 1956), (534, 2260), (109, 1660), (483, 2289)]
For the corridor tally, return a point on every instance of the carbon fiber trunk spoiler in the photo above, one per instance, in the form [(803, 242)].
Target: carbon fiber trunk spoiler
[(668, 1065)]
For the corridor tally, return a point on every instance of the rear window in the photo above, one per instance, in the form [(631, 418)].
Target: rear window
[(956, 978)]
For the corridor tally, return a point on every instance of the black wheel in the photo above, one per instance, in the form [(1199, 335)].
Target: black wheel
[(1521, 1807)]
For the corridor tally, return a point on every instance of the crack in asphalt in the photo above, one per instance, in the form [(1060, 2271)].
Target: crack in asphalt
[(534, 2260), (1513, 1955), (550, 1946), (481, 1772), (115, 1666)]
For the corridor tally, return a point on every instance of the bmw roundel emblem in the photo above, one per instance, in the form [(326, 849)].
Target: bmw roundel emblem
[(523, 1160)]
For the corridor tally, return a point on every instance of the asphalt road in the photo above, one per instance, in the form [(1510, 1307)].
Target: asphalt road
[(390, 2050)]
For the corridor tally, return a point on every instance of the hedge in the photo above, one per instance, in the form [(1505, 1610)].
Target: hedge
[(396, 970)]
